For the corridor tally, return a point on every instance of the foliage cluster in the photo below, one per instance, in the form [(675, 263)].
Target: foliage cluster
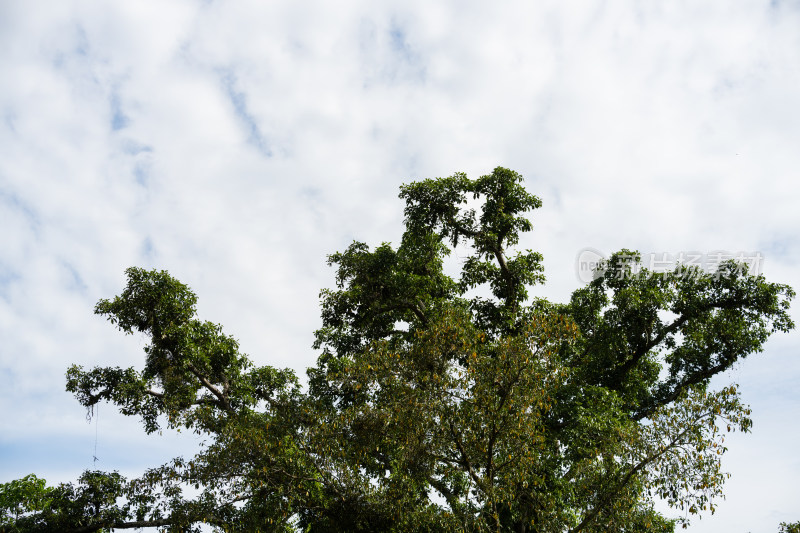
[(438, 403)]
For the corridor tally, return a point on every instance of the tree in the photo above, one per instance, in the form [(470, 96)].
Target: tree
[(786, 527), (438, 403)]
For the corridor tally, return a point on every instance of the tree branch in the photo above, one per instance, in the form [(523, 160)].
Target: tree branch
[(121, 525), (674, 443), (693, 379), (414, 307), (223, 400), (639, 353)]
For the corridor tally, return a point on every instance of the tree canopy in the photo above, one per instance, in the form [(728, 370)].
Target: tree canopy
[(439, 402)]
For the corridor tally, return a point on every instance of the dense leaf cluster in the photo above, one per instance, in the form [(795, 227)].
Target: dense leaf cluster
[(438, 403)]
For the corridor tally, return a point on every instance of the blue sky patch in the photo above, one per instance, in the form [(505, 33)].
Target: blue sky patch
[(408, 62), (141, 173), (7, 277), (148, 249), (76, 282), (134, 148), (16, 203), (119, 119), (239, 101)]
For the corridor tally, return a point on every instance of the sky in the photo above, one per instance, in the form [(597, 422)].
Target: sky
[(236, 144)]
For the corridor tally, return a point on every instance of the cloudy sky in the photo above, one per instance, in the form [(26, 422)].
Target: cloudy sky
[(236, 144)]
